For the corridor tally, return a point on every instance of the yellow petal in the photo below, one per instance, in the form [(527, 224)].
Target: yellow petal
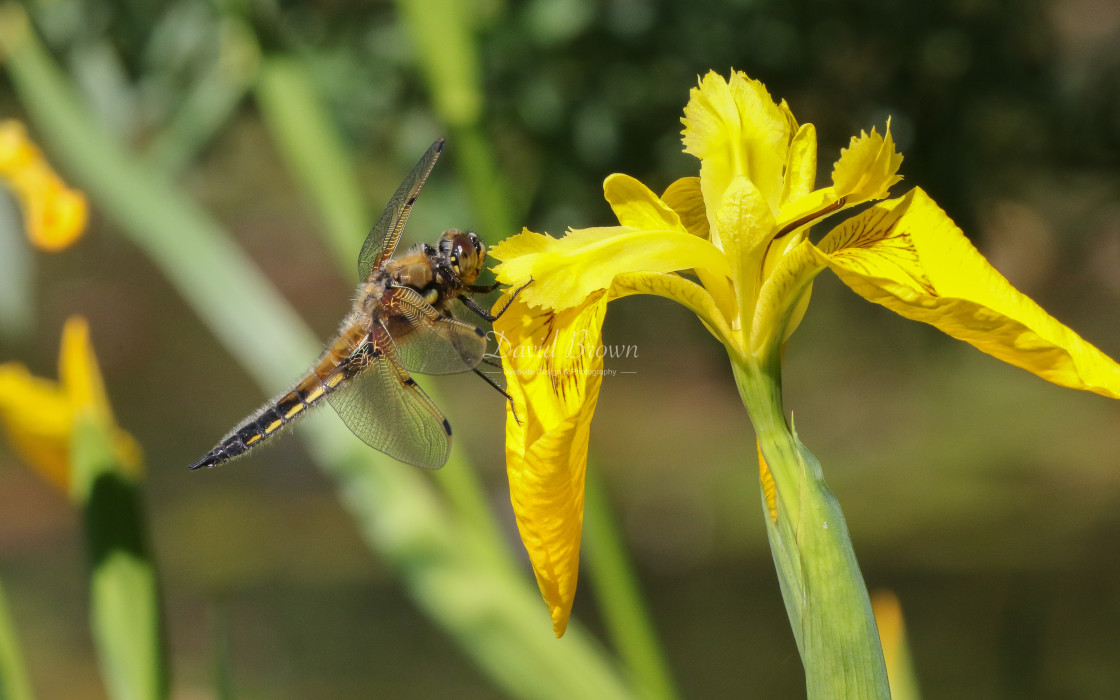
[(745, 226), (735, 128), (38, 418), (636, 206), (744, 220), (553, 376), (55, 215), (783, 297), (567, 270), (683, 291), (769, 489), (17, 153), (81, 379), (801, 164), (79, 373), (684, 197), (867, 167), (907, 255), (896, 649)]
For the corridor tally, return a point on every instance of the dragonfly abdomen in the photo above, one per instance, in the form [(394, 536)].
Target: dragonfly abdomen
[(323, 378)]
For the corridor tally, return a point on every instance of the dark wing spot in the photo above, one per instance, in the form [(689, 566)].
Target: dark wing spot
[(446, 427)]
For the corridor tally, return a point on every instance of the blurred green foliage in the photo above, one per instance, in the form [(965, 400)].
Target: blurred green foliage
[(986, 498)]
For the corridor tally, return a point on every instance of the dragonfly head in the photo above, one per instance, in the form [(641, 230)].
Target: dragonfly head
[(465, 254)]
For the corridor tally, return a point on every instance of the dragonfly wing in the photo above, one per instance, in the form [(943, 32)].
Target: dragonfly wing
[(383, 237), (387, 409), (427, 341)]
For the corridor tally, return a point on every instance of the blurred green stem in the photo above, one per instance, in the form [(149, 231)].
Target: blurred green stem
[(14, 684), (486, 184), (124, 591), (315, 155), (824, 593), (211, 100), (443, 34), (620, 600)]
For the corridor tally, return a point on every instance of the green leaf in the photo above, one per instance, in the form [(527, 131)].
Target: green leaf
[(124, 593), (824, 593), (14, 684)]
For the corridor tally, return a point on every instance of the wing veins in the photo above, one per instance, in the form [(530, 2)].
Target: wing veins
[(386, 233)]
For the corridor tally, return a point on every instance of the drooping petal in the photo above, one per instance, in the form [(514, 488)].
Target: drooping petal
[(553, 375), (565, 271), (907, 255)]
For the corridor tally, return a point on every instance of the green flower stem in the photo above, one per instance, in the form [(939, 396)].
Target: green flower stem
[(14, 684), (315, 155), (124, 590), (617, 592), (210, 101), (485, 182), (824, 592), (495, 615), (444, 34)]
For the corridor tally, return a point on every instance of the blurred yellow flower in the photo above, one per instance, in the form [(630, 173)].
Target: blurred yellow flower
[(896, 649), (55, 215), (733, 246), (39, 415)]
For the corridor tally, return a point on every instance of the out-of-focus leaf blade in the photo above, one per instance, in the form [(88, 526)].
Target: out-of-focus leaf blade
[(124, 593), (14, 684)]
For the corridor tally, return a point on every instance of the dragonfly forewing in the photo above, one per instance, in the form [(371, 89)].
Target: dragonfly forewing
[(386, 233)]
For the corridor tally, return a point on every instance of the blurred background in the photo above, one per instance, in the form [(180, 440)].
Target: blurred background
[(985, 498)]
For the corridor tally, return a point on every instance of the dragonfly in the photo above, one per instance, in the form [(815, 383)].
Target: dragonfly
[(400, 322)]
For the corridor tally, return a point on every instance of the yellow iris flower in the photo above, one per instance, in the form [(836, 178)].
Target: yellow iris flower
[(55, 215), (40, 416), (733, 246)]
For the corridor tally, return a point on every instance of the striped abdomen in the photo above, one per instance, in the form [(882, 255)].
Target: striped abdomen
[(324, 377)]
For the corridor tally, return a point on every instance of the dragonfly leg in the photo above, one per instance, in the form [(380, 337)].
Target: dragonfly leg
[(473, 305), (481, 288), (500, 390)]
